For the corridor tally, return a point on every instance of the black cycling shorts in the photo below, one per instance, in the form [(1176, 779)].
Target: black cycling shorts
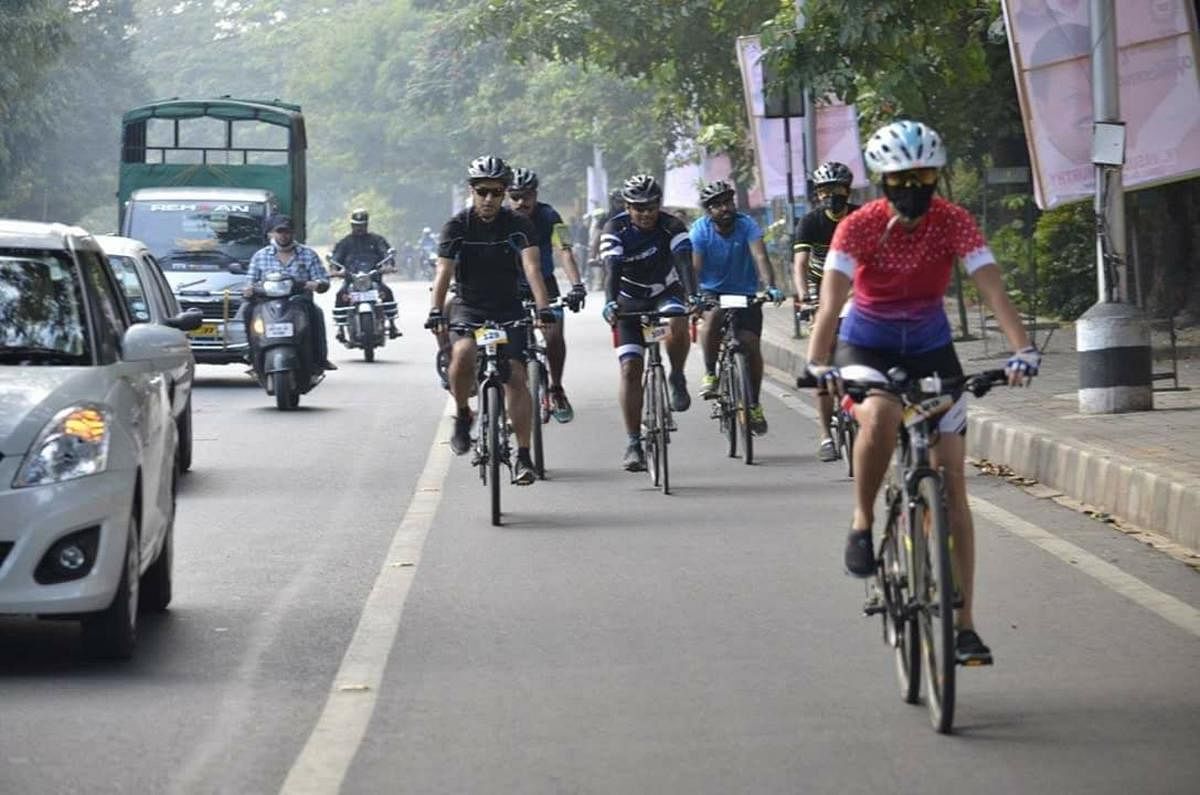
[(941, 361), (749, 320), (629, 340), (460, 312)]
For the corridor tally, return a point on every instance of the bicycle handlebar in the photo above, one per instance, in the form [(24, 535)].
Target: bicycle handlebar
[(978, 384), (464, 326)]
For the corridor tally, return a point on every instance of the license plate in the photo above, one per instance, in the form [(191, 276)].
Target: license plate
[(654, 333), (490, 336), (280, 330), (206, 330), (366, 295), (734, 302)]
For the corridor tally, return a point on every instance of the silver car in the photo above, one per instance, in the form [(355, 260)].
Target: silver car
[(87, 440), (149, 299)]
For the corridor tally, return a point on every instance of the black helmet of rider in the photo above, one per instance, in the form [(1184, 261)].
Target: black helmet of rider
[(524, 179), (715, 191), (359, 217), (641, 189), (489, 167), (832, 172)]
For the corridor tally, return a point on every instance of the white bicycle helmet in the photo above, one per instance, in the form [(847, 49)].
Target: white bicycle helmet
[(903, 145), (832, 173), (489, 167)]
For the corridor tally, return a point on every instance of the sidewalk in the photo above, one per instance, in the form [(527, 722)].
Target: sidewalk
[(1143, 468)]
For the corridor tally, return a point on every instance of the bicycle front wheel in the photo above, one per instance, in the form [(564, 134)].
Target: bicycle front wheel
[(537, 394), (729, 405), (742, 380), (935, 600), (650, 415), (900, 630), (849, 432), (494, 402), (664, 433)]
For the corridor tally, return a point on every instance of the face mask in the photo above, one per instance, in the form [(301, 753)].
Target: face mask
[(837, 202), (910, 203)]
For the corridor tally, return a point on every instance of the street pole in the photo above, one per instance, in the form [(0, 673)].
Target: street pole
[(810, 123), (1113, 337)]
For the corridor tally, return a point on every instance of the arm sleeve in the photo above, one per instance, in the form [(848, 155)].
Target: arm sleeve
[(843, 255), (450, 241), (753, 230), (316, 271), (612, 253), (802, 238), (339, 251), (681, 254), (969, 243), (524, 234)]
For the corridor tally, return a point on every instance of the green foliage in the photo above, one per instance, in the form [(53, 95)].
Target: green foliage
[(1065, 246)]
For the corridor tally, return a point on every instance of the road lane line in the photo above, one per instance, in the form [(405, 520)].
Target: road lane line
[(330, 749), (1164, 605)]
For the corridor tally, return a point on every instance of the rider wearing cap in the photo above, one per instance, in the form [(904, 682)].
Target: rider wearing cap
[(729, 258), (647, 258), (359, 251), (484, 249), (813, 233), (900, 252), (552, 235)]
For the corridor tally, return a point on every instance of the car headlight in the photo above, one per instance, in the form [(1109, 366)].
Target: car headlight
[(72, 445)]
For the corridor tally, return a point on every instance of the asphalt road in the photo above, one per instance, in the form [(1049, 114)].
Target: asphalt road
[(607, 639)]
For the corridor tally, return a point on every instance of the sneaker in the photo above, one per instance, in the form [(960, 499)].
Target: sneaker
[(828, 451), (708, 386), (328, 365), (460, 439), (560, 406), (680, 399), (341, 335), (757, 420), (394, 332), (635, 458), (523, 473), (969, 649), (860, 554)]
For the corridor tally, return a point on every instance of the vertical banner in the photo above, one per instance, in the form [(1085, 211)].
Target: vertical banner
[(837, 132), (1050, 42)]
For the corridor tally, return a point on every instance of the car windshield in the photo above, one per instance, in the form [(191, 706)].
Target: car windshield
[(42, 319), (131, 287), (197, 235)]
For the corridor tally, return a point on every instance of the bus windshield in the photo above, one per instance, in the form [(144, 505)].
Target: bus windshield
[(199, 236)]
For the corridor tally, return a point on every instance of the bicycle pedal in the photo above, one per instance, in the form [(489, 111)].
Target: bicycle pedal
[(874, 607)]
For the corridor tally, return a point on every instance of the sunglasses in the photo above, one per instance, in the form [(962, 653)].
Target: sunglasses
[(519, 196), (644, 208), (483, 193), (914, 178)]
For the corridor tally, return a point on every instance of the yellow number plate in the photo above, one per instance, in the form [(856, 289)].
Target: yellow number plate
[(490, 336), (206, 330), (654, 333)]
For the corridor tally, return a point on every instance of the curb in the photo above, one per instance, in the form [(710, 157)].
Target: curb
[(1154, 498)]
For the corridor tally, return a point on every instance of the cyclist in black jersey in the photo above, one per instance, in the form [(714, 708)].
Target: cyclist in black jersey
[(811, 239), (484, 249), (647, 257)]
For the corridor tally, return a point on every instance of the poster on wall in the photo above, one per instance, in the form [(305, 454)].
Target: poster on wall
[(1050, 42)]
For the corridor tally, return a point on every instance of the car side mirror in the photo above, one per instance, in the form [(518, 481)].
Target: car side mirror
[(150, 342), (188, 320), (237, 269)]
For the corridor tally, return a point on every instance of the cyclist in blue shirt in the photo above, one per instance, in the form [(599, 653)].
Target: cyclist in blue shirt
[(551, 235), (729, 258)]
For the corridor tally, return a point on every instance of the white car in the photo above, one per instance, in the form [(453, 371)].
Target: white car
[(87, 440), (149, 299)]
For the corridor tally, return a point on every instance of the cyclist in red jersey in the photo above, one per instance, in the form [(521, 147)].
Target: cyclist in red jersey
[(899, 252)]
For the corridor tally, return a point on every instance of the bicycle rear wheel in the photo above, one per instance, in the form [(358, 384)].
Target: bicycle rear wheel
[(900, 630), (935, 600), (537, 393), (741, 370), (494, 402)]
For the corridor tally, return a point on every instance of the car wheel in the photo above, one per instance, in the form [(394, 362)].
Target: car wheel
[(156, 582), (112, 632), (185, 437)]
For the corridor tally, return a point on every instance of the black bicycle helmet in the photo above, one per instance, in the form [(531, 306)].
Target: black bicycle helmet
[(489, 167), (641, 189), (832, 172), (713, 191), (360, 217), (524, 179)]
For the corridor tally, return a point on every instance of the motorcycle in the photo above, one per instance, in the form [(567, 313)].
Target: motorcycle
[(365, 318), (281, 351)]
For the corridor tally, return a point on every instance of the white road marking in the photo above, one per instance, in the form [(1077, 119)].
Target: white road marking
[(1164, 605), (330, 749)]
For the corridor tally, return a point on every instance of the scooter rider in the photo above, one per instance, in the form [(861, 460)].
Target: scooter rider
[(360, 251), (285, 255)]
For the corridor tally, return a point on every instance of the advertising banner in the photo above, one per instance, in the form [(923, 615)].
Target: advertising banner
[(1050, 41)]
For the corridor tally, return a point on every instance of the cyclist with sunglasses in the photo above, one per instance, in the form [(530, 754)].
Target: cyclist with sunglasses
[(900, 251), (647, 259), (551, 235), (730, 258), (814, 231), (484, 249)]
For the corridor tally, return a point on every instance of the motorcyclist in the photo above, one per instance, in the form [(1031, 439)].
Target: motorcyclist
[(300, 262), (357, 252)]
